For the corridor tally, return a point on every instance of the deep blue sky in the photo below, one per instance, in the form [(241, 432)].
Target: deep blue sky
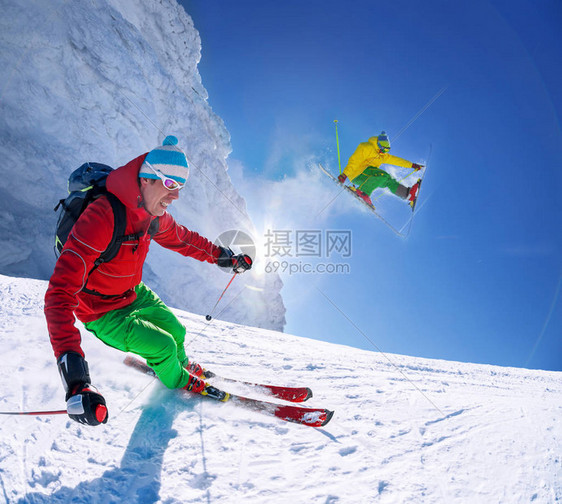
[(478, 279)]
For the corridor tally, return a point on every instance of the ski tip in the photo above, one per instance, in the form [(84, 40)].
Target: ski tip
[(329, 415), (308, 394)]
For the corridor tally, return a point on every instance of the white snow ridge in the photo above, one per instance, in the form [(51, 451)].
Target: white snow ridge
[(414, 430)]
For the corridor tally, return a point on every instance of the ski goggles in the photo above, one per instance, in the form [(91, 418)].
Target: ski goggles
[(169, 183), (383, 143)]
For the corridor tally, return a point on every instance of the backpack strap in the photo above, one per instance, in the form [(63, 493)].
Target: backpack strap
[(119, 224), (117, 239)]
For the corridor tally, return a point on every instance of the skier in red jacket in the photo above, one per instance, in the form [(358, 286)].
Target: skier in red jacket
[(112, 301)]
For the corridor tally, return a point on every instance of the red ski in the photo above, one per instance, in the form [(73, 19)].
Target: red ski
[(292, 394), (313, 417)]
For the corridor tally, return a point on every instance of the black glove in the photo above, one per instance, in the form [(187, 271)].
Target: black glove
[(416, 166), (239, 263), (83, 402)]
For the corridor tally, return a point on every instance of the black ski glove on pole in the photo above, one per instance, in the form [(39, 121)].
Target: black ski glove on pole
[(84, 403), (239, 263)]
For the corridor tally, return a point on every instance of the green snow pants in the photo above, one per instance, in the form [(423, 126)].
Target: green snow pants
[(147, 327), (373, 178)]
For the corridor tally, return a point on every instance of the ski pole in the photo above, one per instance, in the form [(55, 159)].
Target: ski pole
[(209, 317), (338, 144), (34, 413), (406, 176)]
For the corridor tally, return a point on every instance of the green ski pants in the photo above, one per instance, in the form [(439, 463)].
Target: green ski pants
[(372, 178), (147, 327)]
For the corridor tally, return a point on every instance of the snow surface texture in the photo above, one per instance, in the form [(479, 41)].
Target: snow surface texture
[(106, 81), (414, 430)]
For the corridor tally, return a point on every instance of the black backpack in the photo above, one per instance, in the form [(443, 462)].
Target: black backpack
[(85, 184)]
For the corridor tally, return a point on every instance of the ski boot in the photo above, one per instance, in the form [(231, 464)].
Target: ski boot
[(195, 384), (198, 386), (197, 370), (362, 195), (413, 194)]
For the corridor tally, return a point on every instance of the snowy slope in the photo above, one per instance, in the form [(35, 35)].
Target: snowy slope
[(414, 430), (106, 81)]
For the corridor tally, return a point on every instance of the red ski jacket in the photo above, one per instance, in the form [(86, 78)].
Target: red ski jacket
[(117, 278)]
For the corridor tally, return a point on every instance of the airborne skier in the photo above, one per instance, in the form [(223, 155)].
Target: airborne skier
[(363, 169)]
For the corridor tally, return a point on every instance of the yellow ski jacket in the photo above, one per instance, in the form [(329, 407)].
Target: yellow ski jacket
[(368, 154)]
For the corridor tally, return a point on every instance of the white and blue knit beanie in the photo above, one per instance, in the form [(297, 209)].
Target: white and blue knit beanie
[(169, 159)]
